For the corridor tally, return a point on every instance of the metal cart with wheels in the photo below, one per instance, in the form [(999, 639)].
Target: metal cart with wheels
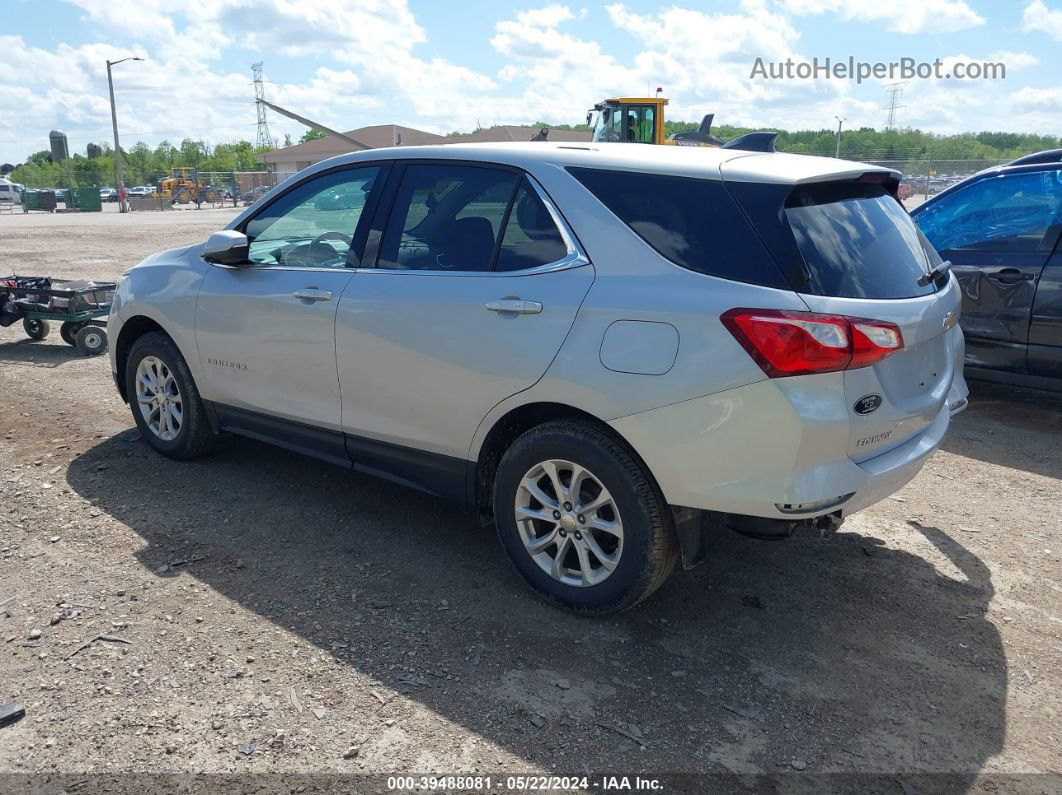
[(81, 308)]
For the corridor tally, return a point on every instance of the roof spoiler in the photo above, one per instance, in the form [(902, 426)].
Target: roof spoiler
[(762, 141)]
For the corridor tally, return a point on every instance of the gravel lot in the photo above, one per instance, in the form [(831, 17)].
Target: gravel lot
[(272, 614)]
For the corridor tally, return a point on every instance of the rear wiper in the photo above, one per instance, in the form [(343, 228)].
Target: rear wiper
[(937, 273)]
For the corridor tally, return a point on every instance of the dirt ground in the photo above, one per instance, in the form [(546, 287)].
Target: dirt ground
[(256, 612)]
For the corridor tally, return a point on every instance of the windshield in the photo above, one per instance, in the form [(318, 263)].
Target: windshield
[(606, 125)]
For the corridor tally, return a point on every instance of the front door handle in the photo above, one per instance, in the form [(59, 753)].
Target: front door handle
[(1011, 276), (313, 294), (516, 306)]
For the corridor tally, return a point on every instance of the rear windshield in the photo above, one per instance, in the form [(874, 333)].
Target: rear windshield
[(844, 239), (857, 241), (692, 222)]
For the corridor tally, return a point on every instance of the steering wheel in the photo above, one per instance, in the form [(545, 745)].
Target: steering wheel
[(315, 252), (331, 236)]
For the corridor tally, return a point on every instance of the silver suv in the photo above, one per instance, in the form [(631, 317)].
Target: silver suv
[(609, 351)]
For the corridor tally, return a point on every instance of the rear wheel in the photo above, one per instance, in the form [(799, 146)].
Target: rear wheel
[(91, 340), (581, 518), (164, 399), (68, 331), (35, 328)]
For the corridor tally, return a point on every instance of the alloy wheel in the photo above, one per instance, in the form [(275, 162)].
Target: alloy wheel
[(569, 523), (159, 398)]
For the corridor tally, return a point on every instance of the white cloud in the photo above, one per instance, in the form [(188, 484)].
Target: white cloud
[(899, 16), (1037, 16), (1014, 60), (547, 17), (135, 18), (1038, 99), (367, 49)]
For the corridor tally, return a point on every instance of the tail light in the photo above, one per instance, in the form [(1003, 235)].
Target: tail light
[(786, 342)]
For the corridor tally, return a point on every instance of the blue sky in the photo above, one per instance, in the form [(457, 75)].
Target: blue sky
[(445, 66)]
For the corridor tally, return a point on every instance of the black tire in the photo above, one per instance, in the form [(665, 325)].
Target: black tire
[(36, 329), (91, 340), (195, 437), (650, 545), (68, 331)]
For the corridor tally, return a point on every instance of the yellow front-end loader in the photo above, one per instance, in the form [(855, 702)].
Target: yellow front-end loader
[(640, 120)]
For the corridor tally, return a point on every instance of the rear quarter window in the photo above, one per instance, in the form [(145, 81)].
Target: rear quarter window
[(692, 222)]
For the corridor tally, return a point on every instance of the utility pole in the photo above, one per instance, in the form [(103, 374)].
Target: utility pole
[(840, 121), (123, 206)]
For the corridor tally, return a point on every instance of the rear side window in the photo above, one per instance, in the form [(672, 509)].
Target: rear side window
[(446, 217), (468, 218), (692, 222), (531, 236)]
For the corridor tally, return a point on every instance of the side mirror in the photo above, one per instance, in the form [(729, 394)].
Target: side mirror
[(227, 247)]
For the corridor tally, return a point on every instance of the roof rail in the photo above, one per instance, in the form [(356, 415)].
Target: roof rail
[(762, 141), (1047, 156)]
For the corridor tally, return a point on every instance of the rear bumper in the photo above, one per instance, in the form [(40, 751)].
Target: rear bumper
[(749, 450)]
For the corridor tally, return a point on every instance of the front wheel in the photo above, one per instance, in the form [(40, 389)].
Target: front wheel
[(91, 340), (164, 399), (581, 518), (36, 329)]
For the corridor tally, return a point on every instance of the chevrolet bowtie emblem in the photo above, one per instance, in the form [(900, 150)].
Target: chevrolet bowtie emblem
[(949, 320)]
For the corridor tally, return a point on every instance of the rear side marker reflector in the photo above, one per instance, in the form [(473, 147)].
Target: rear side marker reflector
[(787, 342)]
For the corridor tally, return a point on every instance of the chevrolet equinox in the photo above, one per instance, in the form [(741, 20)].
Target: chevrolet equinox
[(608, 350)]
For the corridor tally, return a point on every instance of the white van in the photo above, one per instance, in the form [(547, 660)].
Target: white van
[(9, 193)]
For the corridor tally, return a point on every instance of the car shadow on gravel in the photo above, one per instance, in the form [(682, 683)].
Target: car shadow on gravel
[(40, 353), (833, 655), (1010, 427)]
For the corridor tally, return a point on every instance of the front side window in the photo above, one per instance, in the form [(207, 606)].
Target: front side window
[(1009, 213), (447, 217), (313, 224)]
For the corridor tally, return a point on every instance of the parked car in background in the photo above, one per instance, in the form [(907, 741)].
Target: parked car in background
[(9, 193), (109, 194), (1000, 229), (610, 353), (139, 190), (60, 193), (254, 194), (344, 199)]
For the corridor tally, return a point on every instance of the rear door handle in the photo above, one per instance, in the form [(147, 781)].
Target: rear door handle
[(313, 294), (1011, 276), (515, 306)]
